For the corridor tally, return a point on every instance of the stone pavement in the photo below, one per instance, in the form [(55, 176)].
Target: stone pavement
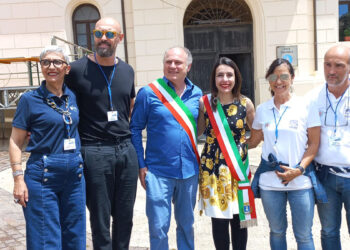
[(12, 224)]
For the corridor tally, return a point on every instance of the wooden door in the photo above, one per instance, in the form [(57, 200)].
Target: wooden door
[(208, 43)]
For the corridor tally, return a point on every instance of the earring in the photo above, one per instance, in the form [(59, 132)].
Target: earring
[(291, 89)]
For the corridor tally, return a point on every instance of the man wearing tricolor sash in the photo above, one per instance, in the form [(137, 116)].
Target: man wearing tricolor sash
[(168, 109)]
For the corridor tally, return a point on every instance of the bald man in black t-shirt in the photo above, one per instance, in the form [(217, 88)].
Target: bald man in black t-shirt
[(104, 86)]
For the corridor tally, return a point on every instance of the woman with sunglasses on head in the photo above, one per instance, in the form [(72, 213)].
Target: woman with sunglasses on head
[(52, 189), (224, 166), (290, 129)]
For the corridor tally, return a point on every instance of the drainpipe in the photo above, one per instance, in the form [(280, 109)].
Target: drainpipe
[(315, 34), (125, 37)]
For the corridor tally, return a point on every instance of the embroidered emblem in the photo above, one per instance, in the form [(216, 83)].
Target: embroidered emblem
[(293, 124), (246, 208)]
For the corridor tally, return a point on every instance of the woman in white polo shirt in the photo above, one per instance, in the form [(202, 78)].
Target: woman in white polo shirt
[(291, 131)]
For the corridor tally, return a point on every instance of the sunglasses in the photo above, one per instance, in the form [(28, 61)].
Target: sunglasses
[(56, 63), (274, 77), (108, 34)]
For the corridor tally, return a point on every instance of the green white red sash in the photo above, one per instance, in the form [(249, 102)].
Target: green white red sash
[(178, 109), (239, 171)]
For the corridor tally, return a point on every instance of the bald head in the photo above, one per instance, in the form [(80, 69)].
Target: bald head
[(339, 51), (109, 22)]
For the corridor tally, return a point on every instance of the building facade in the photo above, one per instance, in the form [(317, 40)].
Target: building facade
[(252, 32)]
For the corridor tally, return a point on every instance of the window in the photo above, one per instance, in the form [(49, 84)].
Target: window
[(217, 12), (84, 19), (344, 20)]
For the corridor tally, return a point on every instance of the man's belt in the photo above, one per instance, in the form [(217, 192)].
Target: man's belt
[(332, 169)]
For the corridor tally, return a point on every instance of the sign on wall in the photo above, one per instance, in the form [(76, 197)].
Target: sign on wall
[(289, 53)]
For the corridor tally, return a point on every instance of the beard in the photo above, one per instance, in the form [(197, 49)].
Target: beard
[(106, 51), (337, 82)]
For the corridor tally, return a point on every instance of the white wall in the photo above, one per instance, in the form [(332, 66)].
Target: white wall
[(26, 26)]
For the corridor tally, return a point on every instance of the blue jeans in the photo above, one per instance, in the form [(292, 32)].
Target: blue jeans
[(55, 212), (301, 203), (338, 192), (160, 192)]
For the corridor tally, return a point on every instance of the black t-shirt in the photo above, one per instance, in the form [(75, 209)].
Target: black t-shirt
[(90, 87)]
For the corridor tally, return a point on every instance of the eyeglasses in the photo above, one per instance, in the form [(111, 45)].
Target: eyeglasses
[(56, 63), (274, 77), (108, 34)]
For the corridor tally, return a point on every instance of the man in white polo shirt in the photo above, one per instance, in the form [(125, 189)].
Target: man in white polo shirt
[(333, 159)]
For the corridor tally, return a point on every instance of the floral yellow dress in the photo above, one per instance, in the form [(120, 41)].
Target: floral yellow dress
[(217, 188)]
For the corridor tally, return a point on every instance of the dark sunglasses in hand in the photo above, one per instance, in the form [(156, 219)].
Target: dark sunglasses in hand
[(56, 63), (108, 34)]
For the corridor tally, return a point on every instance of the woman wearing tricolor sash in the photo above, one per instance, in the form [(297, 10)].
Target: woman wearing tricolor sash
[(290, 129), (225, 193)]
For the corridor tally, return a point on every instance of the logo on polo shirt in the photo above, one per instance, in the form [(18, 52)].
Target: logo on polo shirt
[(320, 112), (293, 124), (347, 113), (73, 108)]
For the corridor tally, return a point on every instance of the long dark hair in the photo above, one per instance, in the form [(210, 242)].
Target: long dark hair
[(236, 91), (277, 62)]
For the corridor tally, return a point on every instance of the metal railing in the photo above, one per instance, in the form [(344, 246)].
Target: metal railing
[(79, 51)]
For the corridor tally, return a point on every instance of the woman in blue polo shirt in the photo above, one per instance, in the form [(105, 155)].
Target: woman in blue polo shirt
[(52, 190)]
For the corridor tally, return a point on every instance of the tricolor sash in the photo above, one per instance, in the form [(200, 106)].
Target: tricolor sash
[(178, 109), (239, 171)]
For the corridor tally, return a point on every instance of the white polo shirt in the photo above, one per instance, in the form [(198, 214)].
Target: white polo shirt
[(292, 138), (333, 153)]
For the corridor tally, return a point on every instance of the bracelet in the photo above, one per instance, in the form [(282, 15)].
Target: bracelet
[(17, 173), (15, 163)]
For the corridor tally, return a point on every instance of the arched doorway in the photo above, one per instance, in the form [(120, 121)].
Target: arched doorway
[(84, 19), (219, 28)]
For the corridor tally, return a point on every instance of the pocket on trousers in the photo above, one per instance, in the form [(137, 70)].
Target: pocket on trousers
[(98, 162), (34, 170)]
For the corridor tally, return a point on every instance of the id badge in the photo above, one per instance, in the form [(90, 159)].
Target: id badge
[(112, 116), (69, 144), (335, 141)]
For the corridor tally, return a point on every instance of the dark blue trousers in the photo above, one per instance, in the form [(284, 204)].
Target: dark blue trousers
[(55, 212)]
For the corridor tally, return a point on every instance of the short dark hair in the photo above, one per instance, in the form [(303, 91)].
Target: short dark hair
[(236, 91), (277, 62)]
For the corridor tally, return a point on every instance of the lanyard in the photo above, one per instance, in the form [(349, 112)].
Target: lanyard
[(66, 115), (336, 108), (277, 123), (109, 82)]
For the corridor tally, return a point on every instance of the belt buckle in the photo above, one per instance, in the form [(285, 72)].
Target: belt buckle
[(117, 140)]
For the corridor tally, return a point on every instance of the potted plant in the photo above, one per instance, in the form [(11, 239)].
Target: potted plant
[(347, 35)]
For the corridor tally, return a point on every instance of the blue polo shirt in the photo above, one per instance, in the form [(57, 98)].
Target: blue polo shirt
[(169, 152), (46, 125)]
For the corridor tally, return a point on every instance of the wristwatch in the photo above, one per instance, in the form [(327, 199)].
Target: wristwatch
[(17, 173), (302, 170)]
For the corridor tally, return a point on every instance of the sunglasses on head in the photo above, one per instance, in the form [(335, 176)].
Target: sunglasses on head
[(56, 63), (108, 34), (274, 77)]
